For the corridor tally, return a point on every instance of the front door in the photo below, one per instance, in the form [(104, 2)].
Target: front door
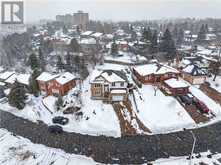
[(106, 90)]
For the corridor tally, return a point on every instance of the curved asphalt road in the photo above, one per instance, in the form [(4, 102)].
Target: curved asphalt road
[(125, 150)]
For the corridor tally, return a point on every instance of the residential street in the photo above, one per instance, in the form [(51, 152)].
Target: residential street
[(126, 150)]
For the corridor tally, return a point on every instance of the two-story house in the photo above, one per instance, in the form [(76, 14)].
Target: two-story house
[(193, 74), (109, 85), (56, 84)]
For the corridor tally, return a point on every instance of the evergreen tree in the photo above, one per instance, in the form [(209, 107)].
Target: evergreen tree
[(78, 30), (59, 103), (76, 61), (154, 43), (114, 48), (60, 64), (41, 59), (206, 28), (64, 30), (33, 83), (175, 32), (180, 37), (202, 34), (167, 44), (147, 34), (74, 46), (68, 62), (17, 96), (33, 61)]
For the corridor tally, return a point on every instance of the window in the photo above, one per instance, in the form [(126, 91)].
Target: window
[(97, 92), (121, 84), (113, 84), (97, 85)]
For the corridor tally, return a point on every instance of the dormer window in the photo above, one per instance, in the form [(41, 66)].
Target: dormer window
[(113, 84), (121, 84)]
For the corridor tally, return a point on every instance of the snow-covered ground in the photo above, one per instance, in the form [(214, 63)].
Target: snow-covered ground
[(160, 113), (126, 57), (98, 118), (215, 84), (18, 150), (203, 160)]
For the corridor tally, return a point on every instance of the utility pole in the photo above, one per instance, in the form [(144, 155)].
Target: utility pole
[(194, 142)]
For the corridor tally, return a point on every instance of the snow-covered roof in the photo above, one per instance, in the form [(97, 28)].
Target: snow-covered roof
[(108, 75), (6, 75), (97, 34), (88, 41), (45, 76), (193, 70), (2, 84), (110, 36), (87, 33), (11, 79), (154, 68), (94, 75), (65, 78), (112, 77), (175, 83), (21, 78)]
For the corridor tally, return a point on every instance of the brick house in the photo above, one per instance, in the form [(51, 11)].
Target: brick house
[(109, 86), (175, 87), (154, 73), (56, 84), (193, 74)]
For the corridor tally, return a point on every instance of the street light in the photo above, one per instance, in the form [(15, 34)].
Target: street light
[(194, 142)]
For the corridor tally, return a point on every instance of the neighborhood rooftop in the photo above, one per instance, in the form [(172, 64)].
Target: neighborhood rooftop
[(154, 68), (175, 83), (64, 78)]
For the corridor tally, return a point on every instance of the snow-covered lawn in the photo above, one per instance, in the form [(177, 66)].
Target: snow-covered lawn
[(18, 150), (109, 66), (160, 113), (98, 118), (126, 57), (215, 84)]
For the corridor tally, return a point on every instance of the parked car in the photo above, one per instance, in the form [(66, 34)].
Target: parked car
[(55, 129), (71, 110), (201, 106), (60, 120), (185, 99)]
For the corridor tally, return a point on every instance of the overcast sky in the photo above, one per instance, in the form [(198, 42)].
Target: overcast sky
[(123, 9)]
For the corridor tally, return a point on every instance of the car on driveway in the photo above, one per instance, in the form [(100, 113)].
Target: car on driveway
[(60, 120), (186, 100), (201, 106), (56, 129)]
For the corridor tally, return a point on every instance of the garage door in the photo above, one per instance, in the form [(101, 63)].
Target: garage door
[(117, 98)]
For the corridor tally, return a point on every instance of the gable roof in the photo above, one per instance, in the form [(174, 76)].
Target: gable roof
[(194, 70), (6, 75), (154, 68), (111, 76), (65, 78), (45, 76)]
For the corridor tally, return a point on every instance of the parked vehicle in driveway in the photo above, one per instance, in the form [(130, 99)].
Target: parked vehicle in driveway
[(201, 106), (60, 120), (56, 129), (185, 99)]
